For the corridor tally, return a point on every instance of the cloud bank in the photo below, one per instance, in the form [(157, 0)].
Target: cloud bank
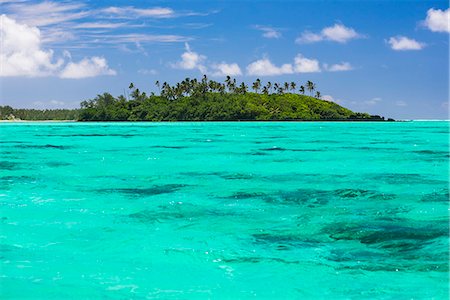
[(301, 64), (23, 55)]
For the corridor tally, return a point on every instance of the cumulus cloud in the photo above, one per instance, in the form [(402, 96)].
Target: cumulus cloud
[(191, 60), (224, 69), (23, 55), (87, 67), (264, 67), (269, 32), (344, 66), (306, 65), (336, 33), (402, 43), (438, 20)]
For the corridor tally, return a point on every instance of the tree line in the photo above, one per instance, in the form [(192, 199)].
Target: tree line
[(209, 100), (9, 113), (194, 87), (203, 100)]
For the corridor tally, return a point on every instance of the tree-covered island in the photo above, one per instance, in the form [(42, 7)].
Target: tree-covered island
[(204, 100)]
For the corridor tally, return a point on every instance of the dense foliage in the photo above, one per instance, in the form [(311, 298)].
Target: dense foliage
[(202, 100), (9, 113), (208, 100)]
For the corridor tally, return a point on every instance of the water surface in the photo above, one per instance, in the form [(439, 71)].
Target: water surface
[(224, 210)]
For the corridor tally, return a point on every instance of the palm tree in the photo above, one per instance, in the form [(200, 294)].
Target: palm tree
[(233, 85), (158, 86), (269, 86), (258, 82), (293, 86), (228, 82), (243, 88), (310, 86), (318, 95), (256, 85), (165, 89), (222, 89), (302, 89), (276, 87), (286, 86)]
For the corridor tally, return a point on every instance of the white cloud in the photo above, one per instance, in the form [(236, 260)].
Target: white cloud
[(141, 38), (402, 43), (47, 12), (336, 33), (269, 32), (191, 60), (132, 12), (87, 67), (331, 99), (328, 98), (401, 103), (339, 33), (438, 20), (21, 53), (224, 69), (74, 21), (309, 37), (306, 65), (264, 67), (99, 25), (344, 66)]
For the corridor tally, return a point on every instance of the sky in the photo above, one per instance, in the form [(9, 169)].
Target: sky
[(382, 57)]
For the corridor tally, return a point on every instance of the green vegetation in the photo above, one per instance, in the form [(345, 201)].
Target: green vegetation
[(208, 100), (9, 113), (204, 100)]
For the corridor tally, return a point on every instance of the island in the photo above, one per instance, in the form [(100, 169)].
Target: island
[(204, 100)]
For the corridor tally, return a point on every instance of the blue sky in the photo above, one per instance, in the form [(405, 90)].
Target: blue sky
[(382, 57)]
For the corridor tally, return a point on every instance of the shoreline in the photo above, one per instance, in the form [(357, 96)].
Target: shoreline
[(195, 121), (34, 121), (216, 121)]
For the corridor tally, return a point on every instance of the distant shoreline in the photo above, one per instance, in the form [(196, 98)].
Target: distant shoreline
[(207, 121), (39, 121)]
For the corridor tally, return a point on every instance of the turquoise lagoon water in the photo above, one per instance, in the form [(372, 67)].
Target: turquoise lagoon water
[(224, 210)]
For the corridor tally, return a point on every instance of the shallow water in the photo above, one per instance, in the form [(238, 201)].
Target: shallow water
[(224, 210)]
